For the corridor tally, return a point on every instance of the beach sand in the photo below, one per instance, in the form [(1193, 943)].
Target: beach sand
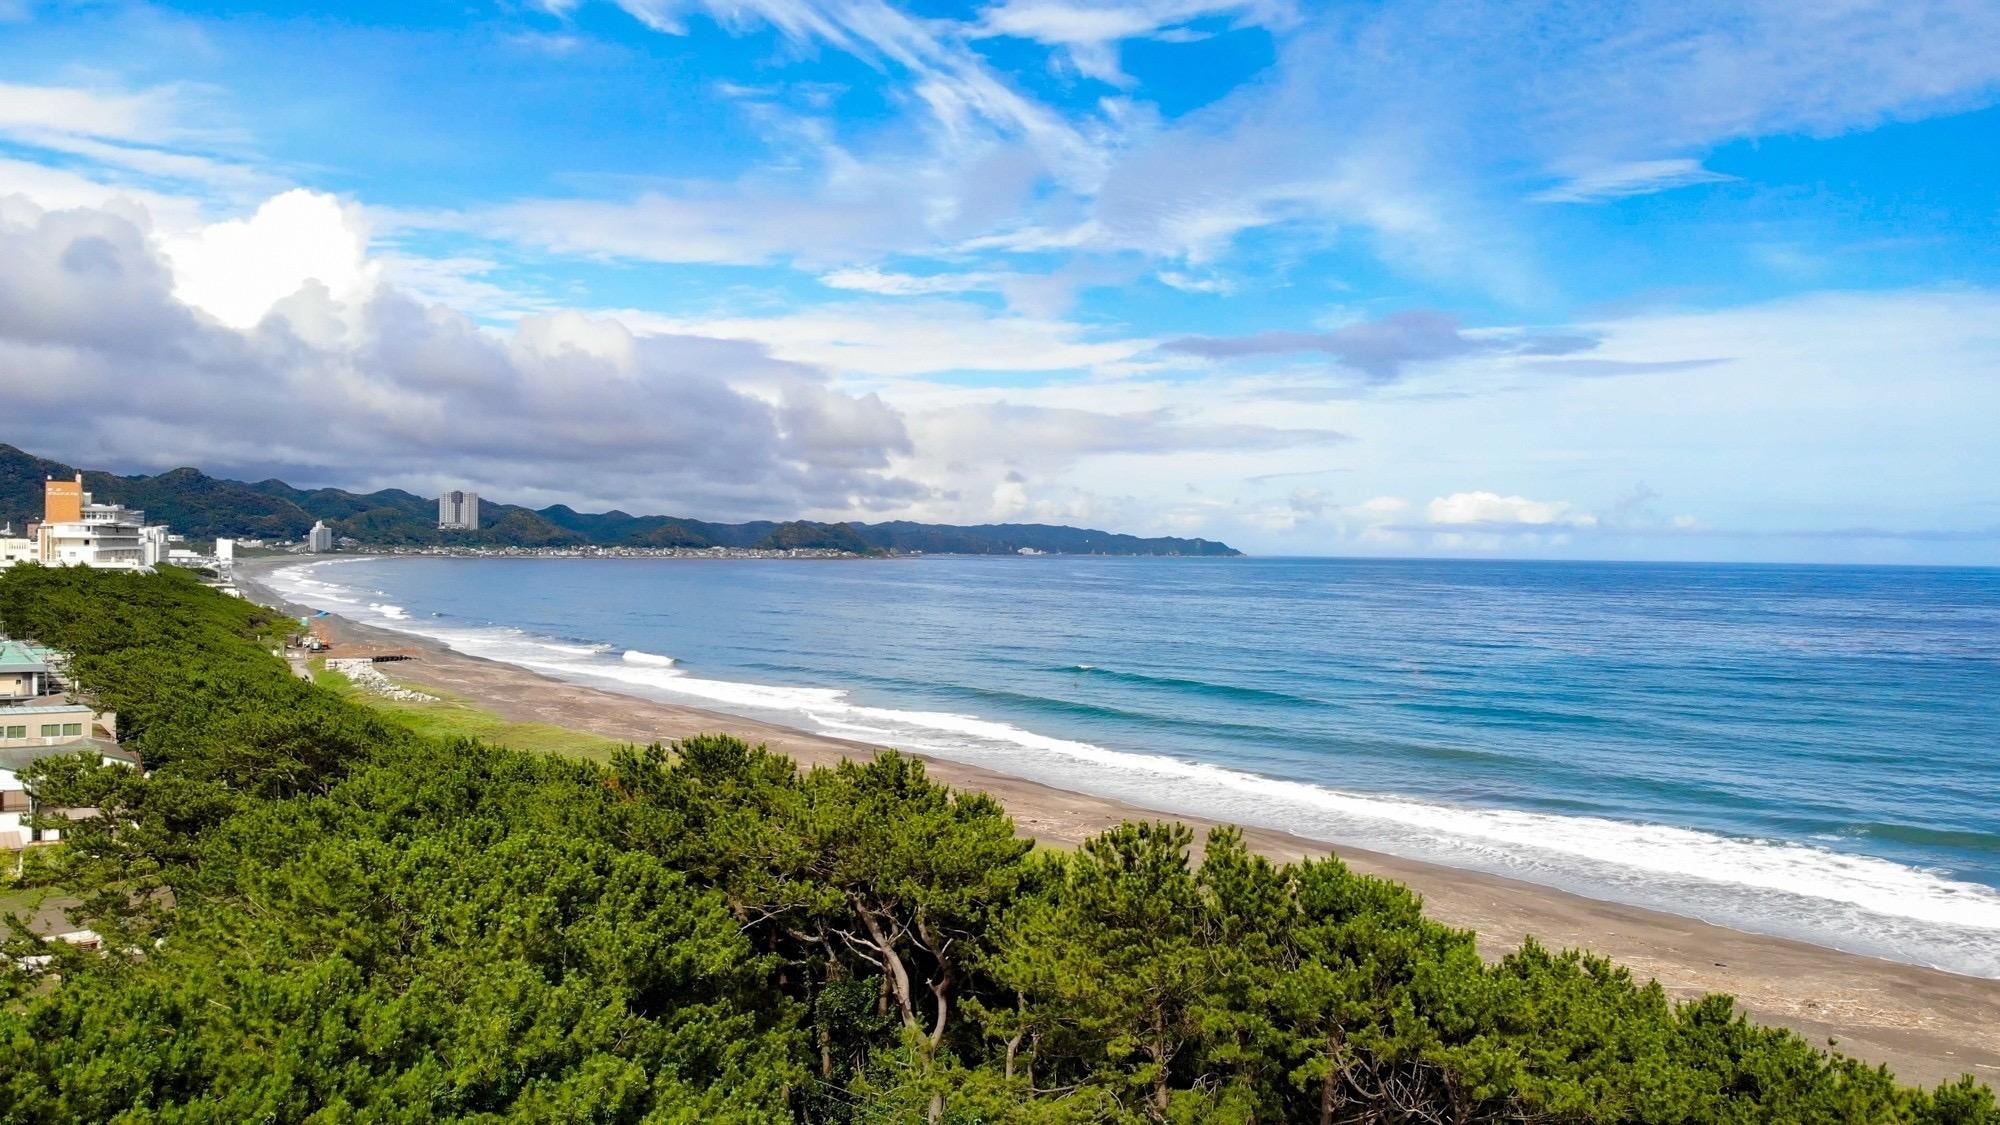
[(1928, 1026)]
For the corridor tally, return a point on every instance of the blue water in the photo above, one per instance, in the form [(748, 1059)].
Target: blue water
[(1807, 751)]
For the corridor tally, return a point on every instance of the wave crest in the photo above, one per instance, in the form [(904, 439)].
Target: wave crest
[(1848, 901)]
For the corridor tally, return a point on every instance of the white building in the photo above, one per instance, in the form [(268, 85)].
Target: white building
[(153, 542), (78, 531), (458, 511), (225, 553), (320, 539), (17, 548), (29, 734)]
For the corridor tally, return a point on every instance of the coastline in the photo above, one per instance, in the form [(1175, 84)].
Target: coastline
[(1928, 1025)]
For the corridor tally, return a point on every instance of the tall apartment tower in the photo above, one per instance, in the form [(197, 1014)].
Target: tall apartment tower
[(458, 511)]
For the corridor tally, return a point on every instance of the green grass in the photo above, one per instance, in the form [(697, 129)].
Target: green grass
[(454, 716)]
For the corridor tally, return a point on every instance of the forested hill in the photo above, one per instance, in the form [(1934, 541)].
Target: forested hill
[(313, 913), (202, 507)]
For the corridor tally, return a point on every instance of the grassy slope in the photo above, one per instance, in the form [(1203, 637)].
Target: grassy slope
[(453, 716)]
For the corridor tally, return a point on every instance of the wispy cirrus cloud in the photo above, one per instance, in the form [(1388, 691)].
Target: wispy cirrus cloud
[(1089, 35), (1403, 132), (1637, 177), (159, 138), (1381, 349), (1042, 437)]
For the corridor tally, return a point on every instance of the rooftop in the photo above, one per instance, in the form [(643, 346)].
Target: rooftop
[(47, 707), (17, 758), (23, 656)]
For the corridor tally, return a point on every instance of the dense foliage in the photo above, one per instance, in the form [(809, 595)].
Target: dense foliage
[(818, 537), (202, 507), (317, 915)]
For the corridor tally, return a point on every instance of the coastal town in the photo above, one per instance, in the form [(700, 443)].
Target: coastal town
[(42, 715)]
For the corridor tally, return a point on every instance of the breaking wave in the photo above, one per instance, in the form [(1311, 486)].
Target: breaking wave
[(1858, 903)]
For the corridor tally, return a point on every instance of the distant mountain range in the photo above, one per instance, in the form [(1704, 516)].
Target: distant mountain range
[(201, 507)]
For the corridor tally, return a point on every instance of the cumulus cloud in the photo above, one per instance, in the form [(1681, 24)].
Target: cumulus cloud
[(348, 379), (235, 270), (1380, 349), (101, 360)]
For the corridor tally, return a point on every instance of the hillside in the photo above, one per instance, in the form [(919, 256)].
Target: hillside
[(202, 507)]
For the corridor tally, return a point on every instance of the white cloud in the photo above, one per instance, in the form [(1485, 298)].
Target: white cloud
[(870, 280), (1384, 506), (1400, 130), (969, 104), (1089, 34), (43, 187), (151, 116), (331, 389), (1037, 296), (1044, 439), (235, 270), (911, 338), (1637, 177), (139, 139), (1490, 509)]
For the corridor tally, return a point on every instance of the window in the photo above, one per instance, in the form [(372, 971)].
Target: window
[(51, 730), (17, 732), (72, 728)]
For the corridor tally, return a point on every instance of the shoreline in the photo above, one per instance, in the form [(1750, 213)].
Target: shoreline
[(1926, 1024)]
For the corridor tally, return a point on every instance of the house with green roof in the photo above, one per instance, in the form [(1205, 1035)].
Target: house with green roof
[(27, 671)]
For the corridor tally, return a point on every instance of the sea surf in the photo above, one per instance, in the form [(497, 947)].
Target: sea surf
[(1809, 752)]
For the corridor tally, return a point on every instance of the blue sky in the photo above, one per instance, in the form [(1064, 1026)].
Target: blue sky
[(1657, 280)]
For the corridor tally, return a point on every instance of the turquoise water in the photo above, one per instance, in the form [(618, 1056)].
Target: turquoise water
[(1807, 751)]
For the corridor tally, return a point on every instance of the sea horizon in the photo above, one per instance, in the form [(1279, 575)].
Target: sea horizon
[(1544, 774)]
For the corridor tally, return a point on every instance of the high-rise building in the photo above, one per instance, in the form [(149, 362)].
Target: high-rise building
[(77, 531), (458, 511), (320, 539)]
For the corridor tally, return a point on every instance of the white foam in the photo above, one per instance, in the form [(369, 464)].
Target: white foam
[(1855, 902)]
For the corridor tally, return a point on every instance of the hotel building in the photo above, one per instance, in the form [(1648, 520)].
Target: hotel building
[(78, 531)]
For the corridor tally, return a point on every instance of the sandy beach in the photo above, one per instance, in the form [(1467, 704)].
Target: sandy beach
[(1925, 1024)]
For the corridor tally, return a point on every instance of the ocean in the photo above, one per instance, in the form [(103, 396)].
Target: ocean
[(1811, 752)]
